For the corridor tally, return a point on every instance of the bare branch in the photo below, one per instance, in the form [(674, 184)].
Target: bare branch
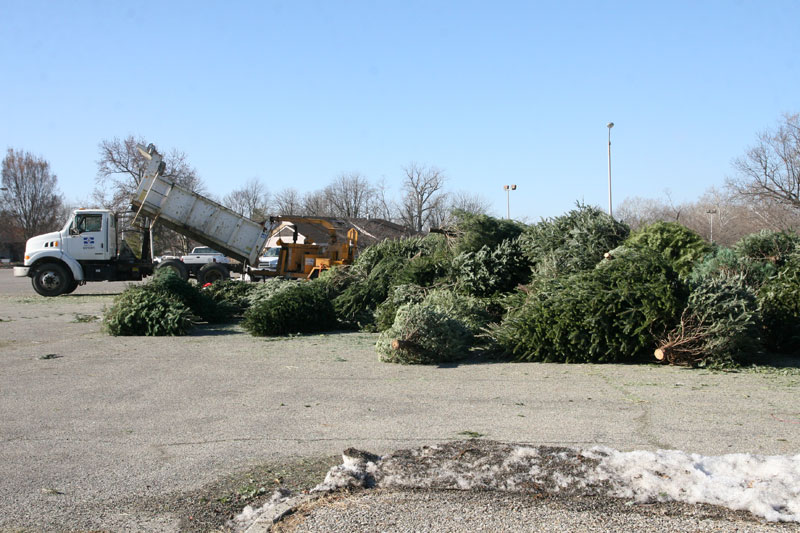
[(423, 196), (251, 201), (770, 170), (287, 202), (350, 195), (120, 169)]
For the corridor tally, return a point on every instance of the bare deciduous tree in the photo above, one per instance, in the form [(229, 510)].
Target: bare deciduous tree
[(731, 215), (349, 195), (463, 201), (287, 202), (770, 170), (474, 204), (382, 206), (777, 216), (714, 216), (251, 201), (315, 204), (31, 201), (121, 167), (440, 213), (637, 211), (423, 197)]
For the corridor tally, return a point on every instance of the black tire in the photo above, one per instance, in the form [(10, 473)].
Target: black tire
[(176, 266), (51, 279), (72, 287), (211, 273)]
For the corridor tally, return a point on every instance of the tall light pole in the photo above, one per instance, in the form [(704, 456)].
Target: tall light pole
[(508, 189), (609, 126), (711, 213)]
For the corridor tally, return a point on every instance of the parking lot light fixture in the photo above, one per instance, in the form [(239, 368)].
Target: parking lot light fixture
[(609, 126), (711, 213), (508, 189)]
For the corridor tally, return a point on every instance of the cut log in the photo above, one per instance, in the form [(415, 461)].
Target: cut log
[(400, 344), (678, 355)]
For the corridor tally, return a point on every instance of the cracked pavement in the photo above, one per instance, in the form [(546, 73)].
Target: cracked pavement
[(110, 420)]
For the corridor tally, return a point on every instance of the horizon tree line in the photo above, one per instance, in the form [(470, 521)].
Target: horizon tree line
[(764, 192)]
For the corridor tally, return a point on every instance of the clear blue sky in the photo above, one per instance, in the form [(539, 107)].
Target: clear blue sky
[(494, 93)]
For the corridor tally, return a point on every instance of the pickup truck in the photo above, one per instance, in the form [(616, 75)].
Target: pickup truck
[(201, 256)]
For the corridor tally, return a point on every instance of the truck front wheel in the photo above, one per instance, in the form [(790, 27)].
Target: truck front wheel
[(51, 279), (71, 287), (211, 273)]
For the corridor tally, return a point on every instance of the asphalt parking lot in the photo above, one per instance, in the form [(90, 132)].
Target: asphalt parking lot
[(89, 423)]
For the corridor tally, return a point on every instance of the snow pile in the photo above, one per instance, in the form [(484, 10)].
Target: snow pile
[(356, 471), (463, 465), (767, 486), (281, 502)]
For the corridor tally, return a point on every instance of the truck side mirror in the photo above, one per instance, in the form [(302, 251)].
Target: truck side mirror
[(74, 231)]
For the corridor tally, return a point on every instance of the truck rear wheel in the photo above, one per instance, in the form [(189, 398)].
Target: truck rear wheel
[(51, 279), (211, 273), (176, 266)]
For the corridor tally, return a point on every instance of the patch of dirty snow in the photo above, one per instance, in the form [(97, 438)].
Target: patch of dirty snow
[(468, 465), (280, 502), (356, 471), (767, 486)]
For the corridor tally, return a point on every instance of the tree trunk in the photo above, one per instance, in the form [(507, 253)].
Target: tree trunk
[(400, 344)]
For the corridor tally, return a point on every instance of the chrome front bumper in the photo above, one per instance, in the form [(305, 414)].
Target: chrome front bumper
[(21, 272)]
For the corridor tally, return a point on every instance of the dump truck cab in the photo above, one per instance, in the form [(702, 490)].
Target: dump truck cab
[(85, 249)]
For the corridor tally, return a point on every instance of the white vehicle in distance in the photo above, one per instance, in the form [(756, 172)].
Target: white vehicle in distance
[(165, 257), (269, 261), (205, 263), (202, 255)]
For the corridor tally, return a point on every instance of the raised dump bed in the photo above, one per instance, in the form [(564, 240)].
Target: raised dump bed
[(196, 216)]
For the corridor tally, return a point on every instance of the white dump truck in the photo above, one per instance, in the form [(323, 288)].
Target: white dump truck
[(89, 247)]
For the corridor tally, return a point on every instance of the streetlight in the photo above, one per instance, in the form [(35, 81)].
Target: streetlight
[(508, 189), (711, 213), (609, 126)]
